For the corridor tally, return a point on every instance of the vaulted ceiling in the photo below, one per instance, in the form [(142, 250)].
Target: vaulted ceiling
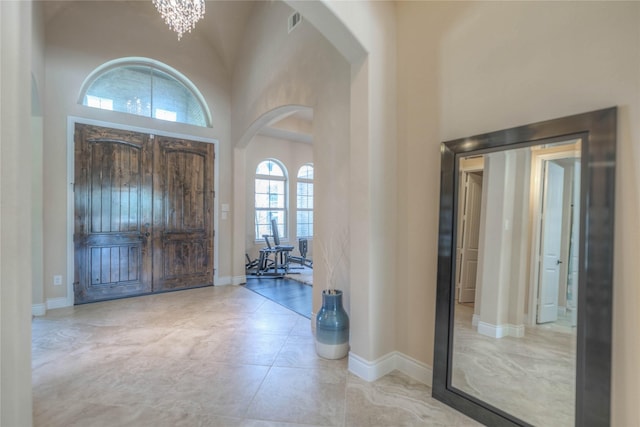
[(223, 27), (223, 24)]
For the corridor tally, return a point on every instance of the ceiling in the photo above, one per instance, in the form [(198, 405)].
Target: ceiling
[(222, 27), (223, 24)]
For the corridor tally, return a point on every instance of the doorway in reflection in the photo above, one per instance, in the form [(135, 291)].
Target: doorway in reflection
[(516, 280)]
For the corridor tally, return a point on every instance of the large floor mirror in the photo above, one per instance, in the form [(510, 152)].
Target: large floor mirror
[(525, 266)]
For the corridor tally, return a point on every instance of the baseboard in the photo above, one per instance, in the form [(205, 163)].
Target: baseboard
[(39, 309), (516, 331), (60, 302), (229, 280), (475, 319), (371, 371), (414, 368), (221, 281), (499, 331)]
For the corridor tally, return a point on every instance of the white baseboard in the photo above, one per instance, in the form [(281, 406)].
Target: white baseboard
[(414, 368), (516, 331), (60, 302), (239, 280), (493, 331), (229, 280), (39, 309), (499, 331), (222, 281), (371, 371), (475, 319)]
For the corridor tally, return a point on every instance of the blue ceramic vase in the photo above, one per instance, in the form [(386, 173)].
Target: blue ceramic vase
[(332, 326)]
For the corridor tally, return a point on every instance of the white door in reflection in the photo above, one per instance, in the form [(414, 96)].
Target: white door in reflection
[(470, 236), (551, 242)]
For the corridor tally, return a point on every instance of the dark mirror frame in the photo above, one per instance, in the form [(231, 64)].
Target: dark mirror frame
[(597, 131)]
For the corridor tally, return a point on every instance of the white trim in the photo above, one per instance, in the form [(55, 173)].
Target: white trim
[(39, 309), (414, 368), (499, 331), (493, 331), (475, 319), (239, 280), (230, 281), (71, 122), (53, 303), (371, 371), (516, 330), (222, 281)]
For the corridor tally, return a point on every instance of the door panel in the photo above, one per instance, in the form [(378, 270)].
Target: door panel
[(551, 243), (471, 238), (183, 214), (112, 193)]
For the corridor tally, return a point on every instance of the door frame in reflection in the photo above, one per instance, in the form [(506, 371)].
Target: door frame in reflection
[(538, 158)]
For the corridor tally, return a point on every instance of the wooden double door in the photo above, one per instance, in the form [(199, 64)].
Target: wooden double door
[(143, 213)]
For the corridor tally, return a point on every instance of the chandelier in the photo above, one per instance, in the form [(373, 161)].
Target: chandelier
[(180, 15)]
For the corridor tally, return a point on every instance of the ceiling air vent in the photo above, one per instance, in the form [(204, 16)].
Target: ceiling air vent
[(294, 20)]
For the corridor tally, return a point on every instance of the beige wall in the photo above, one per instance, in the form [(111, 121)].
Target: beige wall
[(468, 68), (75, 46), (37, 136), (275, 69), (463, 68), (365, 33), (15, 218)]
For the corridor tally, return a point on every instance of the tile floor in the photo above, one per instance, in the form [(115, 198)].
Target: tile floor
[(217, 356), (518, 375)]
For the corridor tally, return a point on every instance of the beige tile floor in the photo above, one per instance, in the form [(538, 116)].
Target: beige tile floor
[(217, 356), (532, 377)]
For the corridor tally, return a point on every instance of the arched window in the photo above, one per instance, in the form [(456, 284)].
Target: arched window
[(145, 87), (270, 198), (304, 203)]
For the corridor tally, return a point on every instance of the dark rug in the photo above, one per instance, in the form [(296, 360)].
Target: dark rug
[(288, 293)]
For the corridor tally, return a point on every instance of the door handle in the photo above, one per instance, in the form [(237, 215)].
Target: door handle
[(558, 262)]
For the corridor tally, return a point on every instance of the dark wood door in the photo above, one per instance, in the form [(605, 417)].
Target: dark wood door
[(113, 211), (183, 214), (143, 213)]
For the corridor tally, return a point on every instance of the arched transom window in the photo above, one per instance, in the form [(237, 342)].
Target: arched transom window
[(304, 205), (270, 198), (148, 88)]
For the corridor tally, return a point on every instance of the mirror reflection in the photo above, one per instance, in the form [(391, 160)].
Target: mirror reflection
[(516, 281)]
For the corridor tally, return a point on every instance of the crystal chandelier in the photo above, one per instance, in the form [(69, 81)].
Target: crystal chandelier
[(180, 15)]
